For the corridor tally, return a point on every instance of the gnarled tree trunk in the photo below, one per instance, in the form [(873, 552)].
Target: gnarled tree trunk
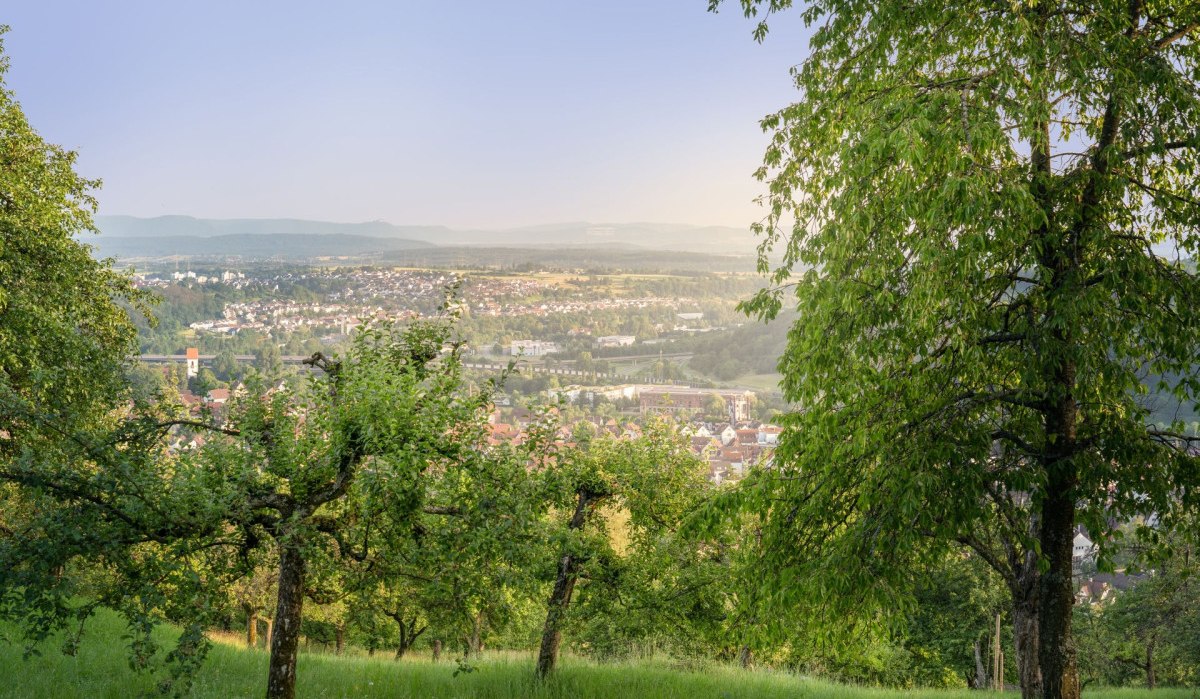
[(285, 638), (980, 681), (564, 585)]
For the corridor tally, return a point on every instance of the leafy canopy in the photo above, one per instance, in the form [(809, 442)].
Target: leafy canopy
[(984, 214)]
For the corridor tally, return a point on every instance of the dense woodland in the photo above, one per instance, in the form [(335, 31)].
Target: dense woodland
[(979, 307)]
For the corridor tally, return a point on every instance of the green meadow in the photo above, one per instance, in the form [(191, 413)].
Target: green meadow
[(101, 669)]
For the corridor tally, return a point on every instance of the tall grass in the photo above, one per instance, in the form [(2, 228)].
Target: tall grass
[(101, 669)]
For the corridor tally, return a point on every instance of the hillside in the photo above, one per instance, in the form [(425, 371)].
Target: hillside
[(101, 669), (255, 245), (657, 236)]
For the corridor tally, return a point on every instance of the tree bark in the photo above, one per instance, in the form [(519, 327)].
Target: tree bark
[(1060, 679), (746, 658), (251, 628), (339, 639), (560, 597), (981, 675), (1025, 641), (437, 649), (285, 637), (405, 641), (1150, 680), (475, 641)]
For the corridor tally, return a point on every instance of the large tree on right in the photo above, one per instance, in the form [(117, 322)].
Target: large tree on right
[(988, 216)]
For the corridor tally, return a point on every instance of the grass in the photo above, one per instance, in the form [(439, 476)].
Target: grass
[(101, 670)]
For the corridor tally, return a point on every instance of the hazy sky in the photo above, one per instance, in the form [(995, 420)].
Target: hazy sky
[(467, 113)]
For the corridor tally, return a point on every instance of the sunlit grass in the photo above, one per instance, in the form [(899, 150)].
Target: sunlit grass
[(101, 669)]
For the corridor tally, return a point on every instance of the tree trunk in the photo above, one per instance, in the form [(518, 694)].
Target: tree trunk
[(1025, 641), (404, 643), (339, 639), (409, 633), (1060, 679), (475, 641), (981, 675), (560, 597), (1060, 257), (746, 657), (252, 628), (270, 630), (1150, 681), (437, 650), (281, 678)]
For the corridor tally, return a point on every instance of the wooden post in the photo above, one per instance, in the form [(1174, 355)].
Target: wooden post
[(997, 660)]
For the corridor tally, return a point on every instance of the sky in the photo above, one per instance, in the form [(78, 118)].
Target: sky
[(467, 113)]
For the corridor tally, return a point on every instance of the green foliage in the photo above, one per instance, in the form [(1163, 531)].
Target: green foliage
[(644, 580), (967, 208), (65, 331), (1146, 635)]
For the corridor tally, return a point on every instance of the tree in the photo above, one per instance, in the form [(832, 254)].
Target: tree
[(715, 408), (310, 475), (655, 479), (226, 366), (268, 360), (324, 465), (1147, 629), (982, 214), (65, 328)]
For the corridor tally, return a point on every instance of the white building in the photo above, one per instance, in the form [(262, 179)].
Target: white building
[(616, 340), (532, 348), (1083, 549)]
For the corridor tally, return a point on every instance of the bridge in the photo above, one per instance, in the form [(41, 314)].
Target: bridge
[(522, 367), (172, 358), (548, 370)]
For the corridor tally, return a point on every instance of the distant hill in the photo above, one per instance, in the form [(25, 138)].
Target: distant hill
[(252, 245), (655, 236)]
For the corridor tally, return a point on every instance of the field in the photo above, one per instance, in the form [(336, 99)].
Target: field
[(101, 669)]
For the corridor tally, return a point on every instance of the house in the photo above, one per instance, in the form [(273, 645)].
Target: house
[(218, 396), (747, 435), (1094, 592), (1082, 549), (703, 445), (725, 432), (717, 471), (769, 434)]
